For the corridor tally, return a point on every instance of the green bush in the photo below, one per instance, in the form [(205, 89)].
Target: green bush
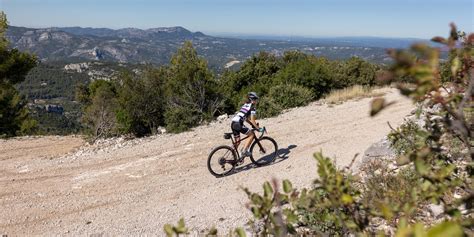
[(406, 137), (268, 108), (141, 103), (282, 97), (180, 119), (289, 96), (256, 74), (100, 107), (309, 72), (384, 185)]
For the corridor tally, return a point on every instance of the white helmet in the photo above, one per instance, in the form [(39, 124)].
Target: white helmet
[(252, 96)]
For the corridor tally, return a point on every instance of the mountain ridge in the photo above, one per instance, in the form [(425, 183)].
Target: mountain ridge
[(156, 45)]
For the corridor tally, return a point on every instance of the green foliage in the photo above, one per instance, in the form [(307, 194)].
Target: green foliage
[(176, 230), (275, 220), (407, 137), (50, 80), (256, 74), (141, 103), (276, 77), (441, 172), (186, 93), (180, 119), (49, 123), (191, 90), (309, 72), (268, 108), (3, 29), (14, 118), (180, 96), (391, 194), (49, 83), (99, 115), (14, 65), (446, 228), (328, 208), (356, 71), (283, 97), (240, 232)]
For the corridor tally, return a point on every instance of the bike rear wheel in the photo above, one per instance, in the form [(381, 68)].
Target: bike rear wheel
[(264, 151), (221, 161)]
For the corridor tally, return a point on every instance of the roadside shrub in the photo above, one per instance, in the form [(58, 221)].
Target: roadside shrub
[(384, 183), (290, 95), (141, 103), (321, 219), (309, 72), (180, 119), (256, 74), (405, 138), (356, 71), (282, 97), (100, 106), (268, 108)]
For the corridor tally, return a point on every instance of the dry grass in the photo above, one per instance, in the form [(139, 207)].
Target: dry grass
[(355, 92)]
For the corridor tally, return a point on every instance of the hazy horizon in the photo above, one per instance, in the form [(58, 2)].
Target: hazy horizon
[(236, 35), (418, 19)]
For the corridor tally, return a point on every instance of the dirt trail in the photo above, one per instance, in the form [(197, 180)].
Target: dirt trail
[(135, 187)]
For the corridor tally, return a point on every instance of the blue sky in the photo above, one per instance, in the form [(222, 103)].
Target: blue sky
[(385, 18)]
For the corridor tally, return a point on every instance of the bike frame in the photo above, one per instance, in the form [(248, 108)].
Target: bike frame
[(234, 143)]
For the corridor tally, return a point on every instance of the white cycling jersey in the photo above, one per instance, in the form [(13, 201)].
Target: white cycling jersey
[(245, 111)]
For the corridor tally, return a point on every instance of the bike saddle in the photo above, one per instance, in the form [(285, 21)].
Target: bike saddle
[(227, 135)]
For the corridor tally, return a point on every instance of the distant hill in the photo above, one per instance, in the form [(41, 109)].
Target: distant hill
[(156, 45), (79, 44)]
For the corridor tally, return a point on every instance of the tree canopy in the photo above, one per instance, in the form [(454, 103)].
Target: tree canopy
[(14, 66)]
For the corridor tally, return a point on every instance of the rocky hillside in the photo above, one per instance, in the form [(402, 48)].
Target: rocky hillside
[(156, 45), (124, 45)]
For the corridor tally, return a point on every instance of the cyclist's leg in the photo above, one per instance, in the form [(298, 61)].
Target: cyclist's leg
[(235, 126), (251, 135)]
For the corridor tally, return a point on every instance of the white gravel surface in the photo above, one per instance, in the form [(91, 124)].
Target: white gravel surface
[(61, 186)]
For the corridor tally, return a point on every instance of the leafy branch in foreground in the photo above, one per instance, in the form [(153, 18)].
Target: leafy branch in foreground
[(176, 230)]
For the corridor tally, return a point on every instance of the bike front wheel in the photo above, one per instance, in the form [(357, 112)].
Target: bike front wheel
[(263, 151), (221, 161)]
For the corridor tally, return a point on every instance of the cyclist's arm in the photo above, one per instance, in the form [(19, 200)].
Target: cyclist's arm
[(252, 121)]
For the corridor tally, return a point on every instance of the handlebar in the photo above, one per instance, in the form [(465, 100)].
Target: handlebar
[(261, 134)]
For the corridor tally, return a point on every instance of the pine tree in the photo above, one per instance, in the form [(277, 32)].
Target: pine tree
[(14, 66)]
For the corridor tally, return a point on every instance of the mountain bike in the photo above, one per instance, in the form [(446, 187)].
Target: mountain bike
[(223, 159)]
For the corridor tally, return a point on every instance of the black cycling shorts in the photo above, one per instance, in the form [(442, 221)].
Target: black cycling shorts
[(238, 128)]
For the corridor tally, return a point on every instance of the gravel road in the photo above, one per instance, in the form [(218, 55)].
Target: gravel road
[(62, 186)]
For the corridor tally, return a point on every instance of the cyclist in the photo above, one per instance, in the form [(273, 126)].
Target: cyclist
[(246, 113)]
